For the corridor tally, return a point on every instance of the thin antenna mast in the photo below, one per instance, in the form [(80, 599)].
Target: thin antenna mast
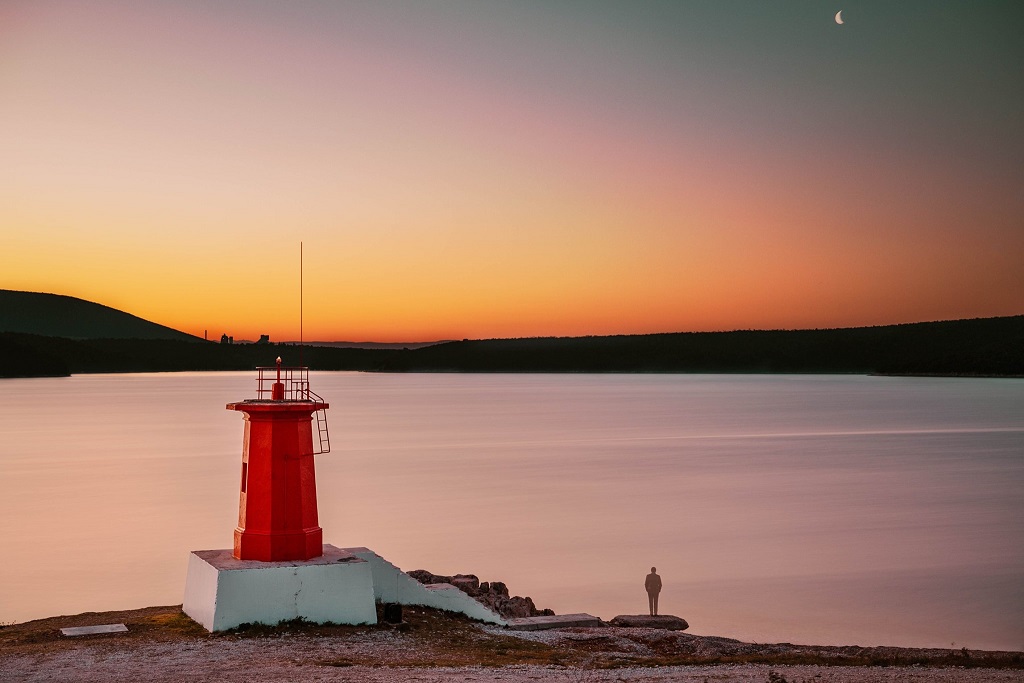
[(300, 305)]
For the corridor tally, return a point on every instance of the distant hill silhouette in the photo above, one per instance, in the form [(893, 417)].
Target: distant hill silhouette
[(982, 346), (55, 315), (46, 334)]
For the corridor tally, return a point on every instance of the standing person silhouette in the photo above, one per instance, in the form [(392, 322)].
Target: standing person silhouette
[(653, 586)]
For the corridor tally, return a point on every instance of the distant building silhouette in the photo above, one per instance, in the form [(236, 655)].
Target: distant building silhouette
[(264, 339), (225, 339)]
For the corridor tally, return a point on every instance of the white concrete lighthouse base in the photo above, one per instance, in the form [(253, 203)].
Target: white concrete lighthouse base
[(222, 592)]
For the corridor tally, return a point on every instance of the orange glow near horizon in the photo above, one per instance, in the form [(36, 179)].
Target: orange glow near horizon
[(501, 172)]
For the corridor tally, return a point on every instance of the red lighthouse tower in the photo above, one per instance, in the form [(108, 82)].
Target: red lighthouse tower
[(277, 512)]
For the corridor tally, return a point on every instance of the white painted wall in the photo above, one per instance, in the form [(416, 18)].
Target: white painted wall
[(200, 601), (220, 598)]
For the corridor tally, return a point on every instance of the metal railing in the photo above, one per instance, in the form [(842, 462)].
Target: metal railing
[(279, 383), (294, 381)]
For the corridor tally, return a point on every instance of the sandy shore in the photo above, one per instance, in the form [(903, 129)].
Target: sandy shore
[(164, 645)]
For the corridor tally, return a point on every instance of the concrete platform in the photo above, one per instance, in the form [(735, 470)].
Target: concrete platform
[(556, 621), (222, 592), (340, 587)]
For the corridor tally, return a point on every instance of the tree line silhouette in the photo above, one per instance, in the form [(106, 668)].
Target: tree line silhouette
[(978, 347)]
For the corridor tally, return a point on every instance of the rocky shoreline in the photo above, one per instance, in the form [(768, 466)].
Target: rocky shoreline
[(162, 644)]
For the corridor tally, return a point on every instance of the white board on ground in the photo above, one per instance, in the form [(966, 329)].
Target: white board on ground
[(92, 630)]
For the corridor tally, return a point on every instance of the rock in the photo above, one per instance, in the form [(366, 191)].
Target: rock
[(663, 621), (493, 594), (425, 577), (467, 584), (470, 579), (517, 608)]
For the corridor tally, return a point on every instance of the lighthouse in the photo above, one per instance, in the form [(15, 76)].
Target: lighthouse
[(277, 513), (279, 568)]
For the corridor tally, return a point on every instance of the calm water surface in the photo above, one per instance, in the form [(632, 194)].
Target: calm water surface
[(846, 510)]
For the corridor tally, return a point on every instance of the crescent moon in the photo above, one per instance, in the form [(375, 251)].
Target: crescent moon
[(839, 17)]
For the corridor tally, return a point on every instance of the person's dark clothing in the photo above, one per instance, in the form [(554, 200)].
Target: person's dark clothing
[(653, 586)]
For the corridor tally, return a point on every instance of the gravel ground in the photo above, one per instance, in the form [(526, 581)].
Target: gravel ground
[(298, 661), (163, 645)]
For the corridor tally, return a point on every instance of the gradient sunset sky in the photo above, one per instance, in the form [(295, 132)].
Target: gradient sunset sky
[(515, 168)]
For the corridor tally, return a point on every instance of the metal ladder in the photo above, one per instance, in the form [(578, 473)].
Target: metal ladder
[(323, 436), (321, 428)]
